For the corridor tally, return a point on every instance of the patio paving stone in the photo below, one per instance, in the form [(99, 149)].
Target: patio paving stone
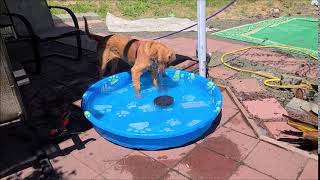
[(70, 168), (226, 114), (230, 143), (310, 171), (238, 123), (265, 109), (99, 177), (91, 133), (279, 129), (227, 100), (222, 46), (65, 144), (185, 46), (173, 175), (86, 137), (81, 23), (246, 85), (275, 161), (101, 154), (170, 157), (201, 163), (228, 110), (185, 64), (29, 172), (246, 173), (221, 73), (194, 68), (77, 103), (136, 166)]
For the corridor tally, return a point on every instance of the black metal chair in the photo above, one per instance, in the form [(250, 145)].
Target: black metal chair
[(12, 111), (32, 20)]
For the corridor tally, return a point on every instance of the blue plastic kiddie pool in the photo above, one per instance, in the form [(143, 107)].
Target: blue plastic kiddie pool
[(188, 105)]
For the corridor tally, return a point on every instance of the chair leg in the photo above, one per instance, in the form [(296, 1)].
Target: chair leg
[(36, 54), (79, 46)]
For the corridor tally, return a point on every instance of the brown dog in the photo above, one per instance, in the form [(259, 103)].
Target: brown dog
[(141, 54)]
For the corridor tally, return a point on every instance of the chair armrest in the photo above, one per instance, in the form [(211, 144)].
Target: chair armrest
[(24, 21), (75, 21)]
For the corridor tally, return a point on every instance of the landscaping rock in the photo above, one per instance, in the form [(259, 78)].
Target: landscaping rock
[(299, 104), (275, 12), (287, 79)]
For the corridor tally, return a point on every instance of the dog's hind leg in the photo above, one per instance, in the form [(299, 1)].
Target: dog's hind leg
[(106, 57), (136, 72), (114, 65)]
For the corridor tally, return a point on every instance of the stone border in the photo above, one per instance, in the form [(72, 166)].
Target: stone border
[(260, 135)]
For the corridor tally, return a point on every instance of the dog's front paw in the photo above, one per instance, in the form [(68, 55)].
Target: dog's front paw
[(138, 95)]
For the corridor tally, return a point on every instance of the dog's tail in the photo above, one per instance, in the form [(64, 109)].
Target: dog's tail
[(91, 36)]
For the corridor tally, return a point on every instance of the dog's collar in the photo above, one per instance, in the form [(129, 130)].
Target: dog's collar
[(136, 50)]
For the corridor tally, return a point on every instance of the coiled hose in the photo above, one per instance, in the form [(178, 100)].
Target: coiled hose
[(271, 80)]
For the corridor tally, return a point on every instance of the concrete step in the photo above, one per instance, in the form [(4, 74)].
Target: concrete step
[(58, 18)]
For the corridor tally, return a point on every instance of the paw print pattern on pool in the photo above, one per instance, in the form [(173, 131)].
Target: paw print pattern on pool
[(115, 112)]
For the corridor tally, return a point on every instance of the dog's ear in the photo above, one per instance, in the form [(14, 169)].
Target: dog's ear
[(171, 56)]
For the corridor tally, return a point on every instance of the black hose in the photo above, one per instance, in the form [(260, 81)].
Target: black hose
[(209, 17)]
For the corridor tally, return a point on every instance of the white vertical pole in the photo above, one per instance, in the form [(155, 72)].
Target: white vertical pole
[(202, 39)]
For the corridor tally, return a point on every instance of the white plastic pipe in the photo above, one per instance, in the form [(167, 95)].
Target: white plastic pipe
[(202, 39)]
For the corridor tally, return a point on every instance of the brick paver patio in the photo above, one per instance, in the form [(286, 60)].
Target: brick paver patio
[(233, 151)]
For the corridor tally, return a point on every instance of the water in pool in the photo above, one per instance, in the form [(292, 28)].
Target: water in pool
[(116, 108)]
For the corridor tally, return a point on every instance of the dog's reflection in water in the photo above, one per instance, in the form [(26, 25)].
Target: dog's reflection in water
[(165, 82)]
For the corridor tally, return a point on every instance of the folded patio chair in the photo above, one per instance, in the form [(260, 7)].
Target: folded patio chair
[(12, 110), (32, 20)]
